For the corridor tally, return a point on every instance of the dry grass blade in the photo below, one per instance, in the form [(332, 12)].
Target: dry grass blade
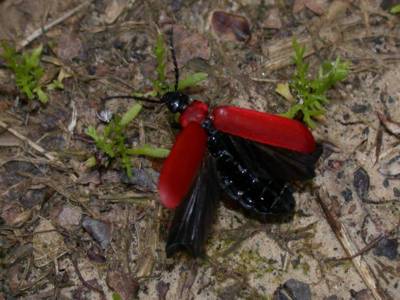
[(31, 143), (149, 244), (40, 31)]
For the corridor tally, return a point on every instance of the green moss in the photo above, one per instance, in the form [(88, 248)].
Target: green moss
[(250, 261)]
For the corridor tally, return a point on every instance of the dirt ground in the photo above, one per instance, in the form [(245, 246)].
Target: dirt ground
[(67, 232)]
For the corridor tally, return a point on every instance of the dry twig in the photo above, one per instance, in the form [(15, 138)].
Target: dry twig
[(38, 32), (31, 143)]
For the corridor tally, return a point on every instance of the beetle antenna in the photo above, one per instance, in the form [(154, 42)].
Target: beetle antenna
[(171, 45), (143, 99)]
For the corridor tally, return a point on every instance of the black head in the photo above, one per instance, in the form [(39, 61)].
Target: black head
[(175, 101)]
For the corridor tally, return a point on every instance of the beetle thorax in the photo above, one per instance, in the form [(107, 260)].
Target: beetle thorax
[(196, 111)]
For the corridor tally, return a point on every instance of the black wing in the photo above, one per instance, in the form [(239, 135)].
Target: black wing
[(257, 176), (193, 218), (281, 163)]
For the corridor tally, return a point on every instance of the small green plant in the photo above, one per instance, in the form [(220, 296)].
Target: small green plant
[(395, 9), (28, 72), (112, 142), (311, 93)]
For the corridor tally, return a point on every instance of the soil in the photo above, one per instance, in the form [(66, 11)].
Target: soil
[(72, 232)]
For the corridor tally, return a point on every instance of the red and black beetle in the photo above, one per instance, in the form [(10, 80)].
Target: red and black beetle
[(251, 156)]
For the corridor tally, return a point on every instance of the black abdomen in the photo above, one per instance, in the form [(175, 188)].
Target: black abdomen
[(247, 178)]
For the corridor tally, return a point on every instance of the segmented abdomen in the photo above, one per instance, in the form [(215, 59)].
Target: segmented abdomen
[(254, 187)]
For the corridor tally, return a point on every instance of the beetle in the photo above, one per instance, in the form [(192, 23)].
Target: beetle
[(250, 156)]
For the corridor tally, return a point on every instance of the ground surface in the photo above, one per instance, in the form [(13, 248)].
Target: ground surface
[(66, 233)]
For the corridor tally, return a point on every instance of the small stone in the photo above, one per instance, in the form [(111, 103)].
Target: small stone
[(294, 289), (99, 230), (69, 46), (361, 183), (69, 216), (227, 26), (387, 248), (190, 45), (143, 179)]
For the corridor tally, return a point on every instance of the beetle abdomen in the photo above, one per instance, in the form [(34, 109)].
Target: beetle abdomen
[(254, 187)]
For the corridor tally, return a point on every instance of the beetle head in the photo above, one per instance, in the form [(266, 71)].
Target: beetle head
[(175, 101)]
